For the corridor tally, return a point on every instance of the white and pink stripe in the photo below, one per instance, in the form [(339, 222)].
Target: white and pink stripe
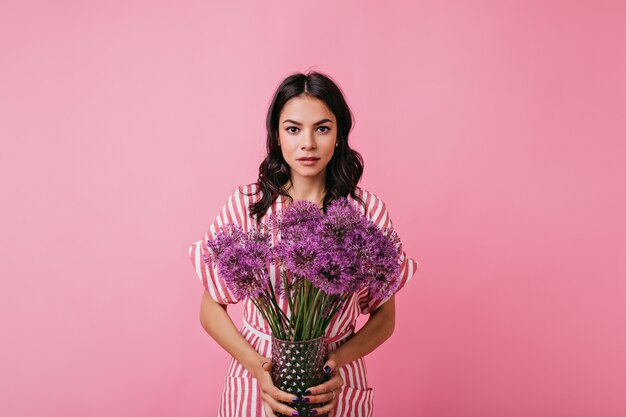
[(241, 395)]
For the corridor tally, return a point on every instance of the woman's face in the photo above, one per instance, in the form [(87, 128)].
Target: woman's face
[(307, 128)]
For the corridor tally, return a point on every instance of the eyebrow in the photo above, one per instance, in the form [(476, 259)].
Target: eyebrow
[(314, 124)]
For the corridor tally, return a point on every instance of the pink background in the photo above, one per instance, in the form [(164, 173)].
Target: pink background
[(494, 131)]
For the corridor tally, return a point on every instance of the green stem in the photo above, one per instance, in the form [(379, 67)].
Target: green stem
[(313, 314), (262, 310), (300, 306), (305, 310), (287, 289), (277, 313), (319, 319)]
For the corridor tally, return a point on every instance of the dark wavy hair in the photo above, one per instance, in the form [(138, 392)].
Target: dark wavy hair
[(345, 168)]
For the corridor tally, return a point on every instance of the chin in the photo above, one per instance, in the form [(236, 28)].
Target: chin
[(309, 174)]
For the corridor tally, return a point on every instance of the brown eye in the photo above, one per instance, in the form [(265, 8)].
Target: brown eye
[(325, 127), (291, 127)]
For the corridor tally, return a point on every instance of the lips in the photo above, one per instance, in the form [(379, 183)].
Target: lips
[(309, 158)]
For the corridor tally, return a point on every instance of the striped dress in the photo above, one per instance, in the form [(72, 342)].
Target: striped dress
[(241, 395)]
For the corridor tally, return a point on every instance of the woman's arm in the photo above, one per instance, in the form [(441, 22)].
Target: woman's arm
[(378, 328), (217, 323)]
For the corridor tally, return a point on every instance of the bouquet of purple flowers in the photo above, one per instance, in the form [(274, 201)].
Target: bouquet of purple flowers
[(323, 260)]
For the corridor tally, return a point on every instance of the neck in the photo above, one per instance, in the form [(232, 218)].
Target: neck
[(311, 189)]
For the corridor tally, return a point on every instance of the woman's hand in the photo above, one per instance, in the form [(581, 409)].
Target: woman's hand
[(270, 394), (328, 392)]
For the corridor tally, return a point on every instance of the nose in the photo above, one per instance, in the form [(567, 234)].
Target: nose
[(308, 140)]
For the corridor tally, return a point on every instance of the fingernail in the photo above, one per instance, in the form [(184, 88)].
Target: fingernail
[(295, 413), (307, 392), (327, 369), (295, 399), (314, 411), (305, 399)]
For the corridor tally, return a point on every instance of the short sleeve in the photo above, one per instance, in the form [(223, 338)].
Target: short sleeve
[(408, 266), (233, 212)]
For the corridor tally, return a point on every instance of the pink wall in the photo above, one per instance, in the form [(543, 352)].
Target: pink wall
[(493, 130)]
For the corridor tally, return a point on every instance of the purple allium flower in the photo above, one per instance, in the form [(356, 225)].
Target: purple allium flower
[(297, 256), (382, 255), (300, 238), (244, 273), (366, 255), (258, 241), (329, 273), (241, 259), (228, 235), (339, 263), (355, 243), (301, 219), (341, 217)]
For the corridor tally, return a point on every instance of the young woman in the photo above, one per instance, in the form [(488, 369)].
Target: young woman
[(308, 158)]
